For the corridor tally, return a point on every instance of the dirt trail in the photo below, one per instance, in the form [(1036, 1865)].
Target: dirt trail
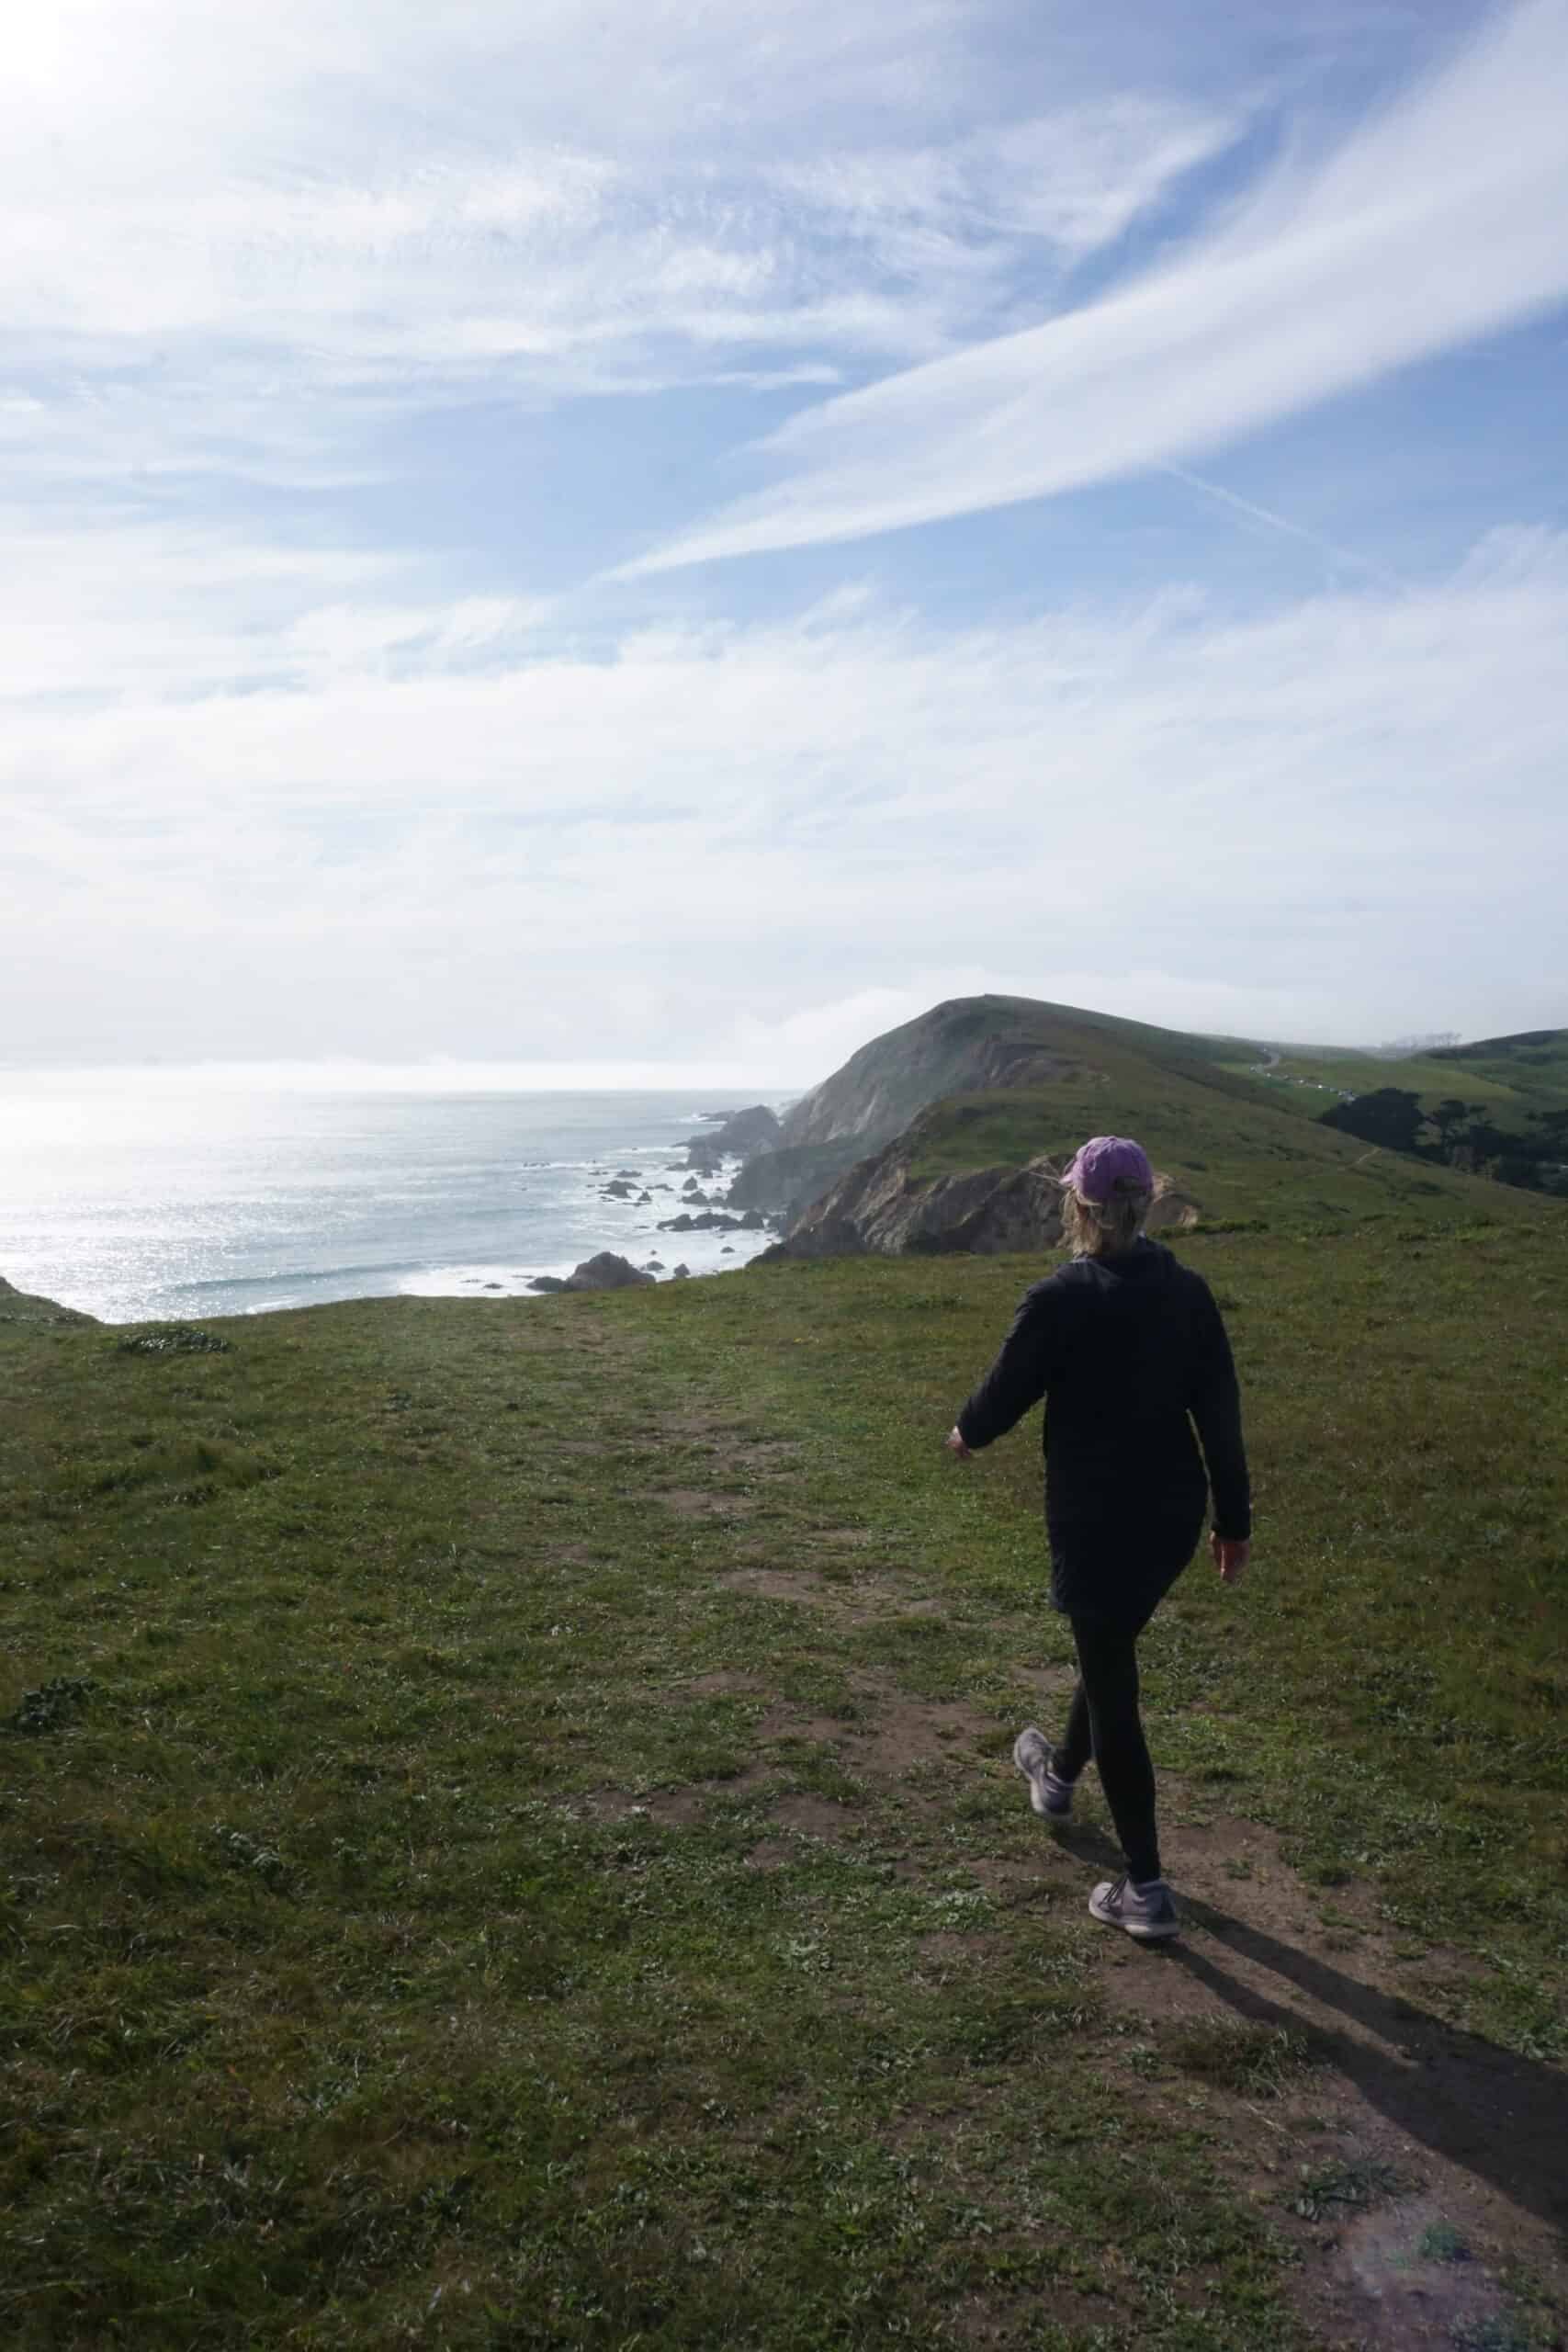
[(1414, 2163)]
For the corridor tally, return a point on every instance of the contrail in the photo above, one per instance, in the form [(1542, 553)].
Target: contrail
[(1293, 530)]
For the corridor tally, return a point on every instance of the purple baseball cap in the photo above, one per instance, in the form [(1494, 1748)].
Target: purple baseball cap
[(1108, 1164)]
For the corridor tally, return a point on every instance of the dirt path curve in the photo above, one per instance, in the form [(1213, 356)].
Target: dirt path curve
[(1420, 2169), (1430, 2161)]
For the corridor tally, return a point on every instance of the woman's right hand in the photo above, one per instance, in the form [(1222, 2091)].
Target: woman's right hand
[(1231, 1557)]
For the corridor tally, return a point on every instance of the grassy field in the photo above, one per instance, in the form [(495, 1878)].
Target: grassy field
[(1513, 1080), (995, 1080), (1235, 1156), (510, 1839)]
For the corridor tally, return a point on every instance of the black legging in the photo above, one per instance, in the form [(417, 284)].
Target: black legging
[(1103, 1721)]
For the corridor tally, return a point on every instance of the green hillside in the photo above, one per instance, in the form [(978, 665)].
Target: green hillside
[(1512, 1076), (968, 1042), (509, 1842), (1498, 1106), (1252, 1133), (1534, 1064), (1222, 1140)]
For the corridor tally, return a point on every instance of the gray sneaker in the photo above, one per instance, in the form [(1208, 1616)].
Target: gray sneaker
[(1031, 1752), (1147, 1912)]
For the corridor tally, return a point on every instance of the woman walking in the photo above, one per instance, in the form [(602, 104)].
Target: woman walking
[(1127, 1348)]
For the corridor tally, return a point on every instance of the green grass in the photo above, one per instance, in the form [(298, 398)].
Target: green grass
[(1297, 1080), (1235, 1156), (1515, 1087), (993, 1081), (509, 1837)]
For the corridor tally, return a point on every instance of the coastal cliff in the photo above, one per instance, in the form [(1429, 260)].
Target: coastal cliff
[(957, 1047), (962, 1046), (889, 1205)]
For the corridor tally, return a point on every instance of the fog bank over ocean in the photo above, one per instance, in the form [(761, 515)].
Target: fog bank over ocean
[(166, 1192)]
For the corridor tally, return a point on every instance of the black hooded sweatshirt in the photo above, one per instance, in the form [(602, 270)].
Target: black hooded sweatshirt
[(1129, 1352)]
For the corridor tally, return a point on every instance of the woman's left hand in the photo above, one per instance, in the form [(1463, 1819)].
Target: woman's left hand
[(955, 1445)]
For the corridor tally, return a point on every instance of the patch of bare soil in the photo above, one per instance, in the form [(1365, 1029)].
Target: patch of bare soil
[(896, 1736), (779, 1584), (904, 1733), (945, 1950), (681, 1806), (769, 1854), (699, 1420), (893, 1734), (703, 1502), (1052, 1686), (1389, 2281), (1407, 2134), (852, 1598), (1005, 2319), (758, 1457), (785, 1722), (817, 1816), (1011, 1884), (709, 1432)]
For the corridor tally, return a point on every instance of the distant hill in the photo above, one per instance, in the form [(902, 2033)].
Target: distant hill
[(967, 1044), (964, 1046), (996, 1084), (1497, 1107)]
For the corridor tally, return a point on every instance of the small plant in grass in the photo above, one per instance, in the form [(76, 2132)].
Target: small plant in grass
[(1440, 2242), (1321, 1874), (1260, 2060), (51, 1707), (243, 1852), (1492, 2335), (174, 1340), (1342, 2181)]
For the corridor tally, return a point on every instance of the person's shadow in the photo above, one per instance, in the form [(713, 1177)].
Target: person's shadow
[(1501, 2117)]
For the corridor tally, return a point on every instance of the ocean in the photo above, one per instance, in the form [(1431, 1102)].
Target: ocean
[(172, 1195)]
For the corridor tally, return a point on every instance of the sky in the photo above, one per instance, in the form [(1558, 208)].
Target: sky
[(612, 537)]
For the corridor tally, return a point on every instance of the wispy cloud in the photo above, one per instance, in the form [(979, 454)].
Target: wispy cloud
[(455, 834), (234, 246), (310, 739), (1439, 221)]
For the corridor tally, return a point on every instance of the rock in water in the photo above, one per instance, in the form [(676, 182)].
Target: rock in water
[(606, 1271), (744, 1132)]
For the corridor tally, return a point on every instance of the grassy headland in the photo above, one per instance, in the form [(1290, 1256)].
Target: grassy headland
[(996, 1081), (1499, 1105), (510, 1839)]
